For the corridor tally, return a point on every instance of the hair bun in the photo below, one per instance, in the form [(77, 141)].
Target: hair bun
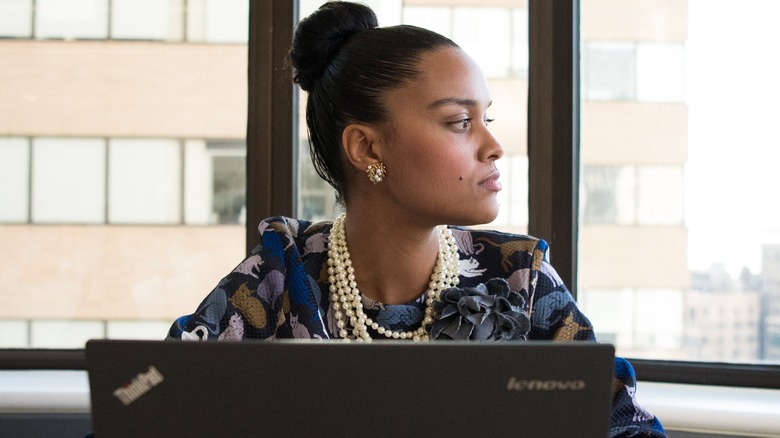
[(319, 36)]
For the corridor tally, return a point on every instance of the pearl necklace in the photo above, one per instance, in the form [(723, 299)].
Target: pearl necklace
[(346, 299)]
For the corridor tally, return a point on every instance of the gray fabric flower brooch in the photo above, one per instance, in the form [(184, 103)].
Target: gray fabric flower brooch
[(489, 311)]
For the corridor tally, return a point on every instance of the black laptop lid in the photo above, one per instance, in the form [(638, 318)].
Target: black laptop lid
[(388, 388)]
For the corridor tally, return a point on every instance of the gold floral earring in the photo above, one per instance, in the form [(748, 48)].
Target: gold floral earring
[(376, 172)]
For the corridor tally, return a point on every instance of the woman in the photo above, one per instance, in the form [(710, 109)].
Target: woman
[(398, 125)]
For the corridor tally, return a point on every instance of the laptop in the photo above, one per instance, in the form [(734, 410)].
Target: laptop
[(335, 389)]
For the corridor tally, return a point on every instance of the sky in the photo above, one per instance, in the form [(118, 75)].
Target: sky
[(733, 95)]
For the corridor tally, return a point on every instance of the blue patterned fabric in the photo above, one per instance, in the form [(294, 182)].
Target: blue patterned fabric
[(281, 291)]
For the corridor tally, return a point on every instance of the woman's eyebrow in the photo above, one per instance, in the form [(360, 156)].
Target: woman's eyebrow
[(455, 101), (452, 101)]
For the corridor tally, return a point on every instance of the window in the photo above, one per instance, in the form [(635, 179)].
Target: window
[(485, 33), (147, 19), (216, 169), (609, 71), (15, 18), (228, 183), (122, 164), (217, 21), (608, 195), (14, 179), (198, 21), (68, 193), (144, 181), (632, 195), (78, 19), (675, 147)]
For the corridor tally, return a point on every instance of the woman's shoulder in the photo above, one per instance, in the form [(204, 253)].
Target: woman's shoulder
[(499, 253), (470, 236), (293, 227), (304, 236)]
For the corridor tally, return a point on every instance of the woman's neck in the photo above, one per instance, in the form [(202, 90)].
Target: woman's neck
[(393, 258)]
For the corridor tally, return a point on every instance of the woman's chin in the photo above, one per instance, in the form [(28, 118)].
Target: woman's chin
[(479, 217)]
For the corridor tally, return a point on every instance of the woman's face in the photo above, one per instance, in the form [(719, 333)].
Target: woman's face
[(439, 153)]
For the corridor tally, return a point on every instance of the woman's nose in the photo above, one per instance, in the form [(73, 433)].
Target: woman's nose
[(491, 147)]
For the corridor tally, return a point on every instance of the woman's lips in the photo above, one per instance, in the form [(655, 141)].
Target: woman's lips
[(492, 183)]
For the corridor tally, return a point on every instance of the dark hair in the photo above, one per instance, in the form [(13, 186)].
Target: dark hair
[(346, 63)]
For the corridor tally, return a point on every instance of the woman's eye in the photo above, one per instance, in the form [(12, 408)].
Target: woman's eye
[(465, 124), (461, 125)]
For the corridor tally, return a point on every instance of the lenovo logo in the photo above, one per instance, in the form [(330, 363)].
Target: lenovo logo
[(140, 385), (515, 384)]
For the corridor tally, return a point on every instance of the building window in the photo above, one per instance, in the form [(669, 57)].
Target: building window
[(144, 181), (486, 35), (161, 20), (608, 195), (16, 18), (215, 182), (609, 71), (628, 71), (68, 180), (218, 21), (74, 19), (137, 181), (437, 19), (229, 183), (203, 21), (14, 180)]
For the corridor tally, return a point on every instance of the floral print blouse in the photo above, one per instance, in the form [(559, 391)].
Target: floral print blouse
[(281, 291)]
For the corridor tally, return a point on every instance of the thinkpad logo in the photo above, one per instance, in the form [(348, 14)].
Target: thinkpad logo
[(515, 384), (138, 386)]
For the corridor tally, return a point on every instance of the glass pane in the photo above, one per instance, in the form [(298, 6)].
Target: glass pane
[(68, 194), (144, 183), (608, 70), (14, 180), (121, 170), (608, 195), (215, 182), (497, 39), (16, 18), (147, 19), (485, 33), (689, 270), (74, 19), (229, 190), (218, 21), (437, 19)]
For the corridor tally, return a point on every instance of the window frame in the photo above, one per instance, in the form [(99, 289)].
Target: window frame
[(553, 162), (553, 165)]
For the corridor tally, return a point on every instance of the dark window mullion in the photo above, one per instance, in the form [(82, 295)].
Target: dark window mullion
[(272, 115), (553, 130)]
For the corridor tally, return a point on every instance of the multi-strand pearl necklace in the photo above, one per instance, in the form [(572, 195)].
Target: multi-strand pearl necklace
[(346, 299)]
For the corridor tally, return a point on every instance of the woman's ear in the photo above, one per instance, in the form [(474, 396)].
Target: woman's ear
[(362, 145)]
